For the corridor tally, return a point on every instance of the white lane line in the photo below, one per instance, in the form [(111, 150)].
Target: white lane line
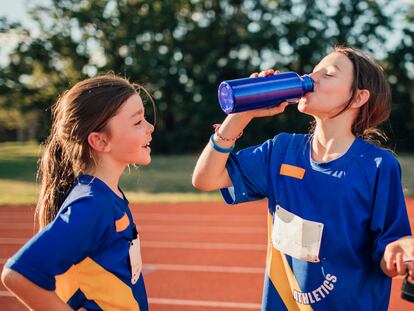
[(204, 303), (200, 217), (162, 244), (203, 229), (196, 245), (5, 293), (167, 228), (185, 302), (13, 241), (151, 267), (17, 225)]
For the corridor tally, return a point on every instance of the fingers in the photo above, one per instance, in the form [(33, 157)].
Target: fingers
[(399, 256), (389, 257), (410, 270), (283, 105), (272, 111), (408, 247), (399, 263), (264, 73)]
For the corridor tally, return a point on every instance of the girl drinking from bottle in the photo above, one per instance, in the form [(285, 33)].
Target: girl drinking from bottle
[(87, 254), (335, 198)]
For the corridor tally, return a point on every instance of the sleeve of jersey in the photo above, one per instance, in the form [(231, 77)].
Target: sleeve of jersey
[(389, 220), (248, 170), (76, 233)]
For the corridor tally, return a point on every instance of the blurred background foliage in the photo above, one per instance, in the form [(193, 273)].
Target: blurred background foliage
[(181, 50)]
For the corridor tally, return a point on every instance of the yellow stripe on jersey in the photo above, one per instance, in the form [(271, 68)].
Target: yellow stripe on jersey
[(67, 284), (122, 223), (276, 271), (97, 284), (292, 171), (294, 283), (104, 288), (281, 277)]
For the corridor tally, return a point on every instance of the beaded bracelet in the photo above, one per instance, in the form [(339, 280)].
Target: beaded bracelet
[(216, 131), (218, 148)]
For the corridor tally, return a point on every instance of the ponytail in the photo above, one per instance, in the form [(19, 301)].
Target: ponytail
[(56, 177)]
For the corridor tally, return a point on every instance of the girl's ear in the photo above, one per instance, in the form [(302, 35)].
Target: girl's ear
[(98, 142), (361, 98)]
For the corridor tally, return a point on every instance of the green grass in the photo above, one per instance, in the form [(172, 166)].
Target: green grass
[(166, 179), (407, 167)]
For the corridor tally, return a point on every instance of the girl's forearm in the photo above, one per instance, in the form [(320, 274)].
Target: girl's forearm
[(210, 171), (31, 295)]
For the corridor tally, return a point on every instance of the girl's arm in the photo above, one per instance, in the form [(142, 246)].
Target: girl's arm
[(210, 171), (31, 295)]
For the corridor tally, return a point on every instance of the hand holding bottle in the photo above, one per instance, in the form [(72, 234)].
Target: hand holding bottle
[(265, 89)]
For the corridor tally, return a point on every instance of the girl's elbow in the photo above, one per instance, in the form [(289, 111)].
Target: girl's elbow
[(197, 183), (200, 184)]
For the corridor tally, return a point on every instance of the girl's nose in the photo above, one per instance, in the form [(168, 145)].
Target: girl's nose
[(150, 128), (316, 75), (313, 75)]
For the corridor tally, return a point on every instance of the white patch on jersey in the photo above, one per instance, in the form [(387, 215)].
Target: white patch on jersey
[(135, 259), (295, 236)]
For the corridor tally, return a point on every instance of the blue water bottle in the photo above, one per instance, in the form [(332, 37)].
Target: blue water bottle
[(253, 93)]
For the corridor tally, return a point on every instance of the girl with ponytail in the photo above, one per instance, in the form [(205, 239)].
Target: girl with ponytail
[(87, 252)]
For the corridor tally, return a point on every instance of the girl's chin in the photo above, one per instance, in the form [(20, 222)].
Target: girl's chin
[(142, 161), (305, 108), (145, 162)]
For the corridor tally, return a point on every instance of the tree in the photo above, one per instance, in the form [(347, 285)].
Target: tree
[(181, 51)]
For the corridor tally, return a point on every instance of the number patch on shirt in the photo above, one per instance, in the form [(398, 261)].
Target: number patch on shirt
[(135, 259), (295, 236), (292, 171)]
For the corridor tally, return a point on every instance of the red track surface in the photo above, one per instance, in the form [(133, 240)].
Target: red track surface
[(200, 256)]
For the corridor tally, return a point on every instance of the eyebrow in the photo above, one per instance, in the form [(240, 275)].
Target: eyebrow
[(337, 67), (334, 65), (137, 113)]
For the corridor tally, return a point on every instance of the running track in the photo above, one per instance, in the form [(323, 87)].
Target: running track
[(199, 256)]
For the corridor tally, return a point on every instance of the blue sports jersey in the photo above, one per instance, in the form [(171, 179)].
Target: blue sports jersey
[(84, 253), (328, 223)]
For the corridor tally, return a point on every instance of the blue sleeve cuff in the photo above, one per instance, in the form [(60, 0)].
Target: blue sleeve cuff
[(31, 274), (239, 192), (228, 195)]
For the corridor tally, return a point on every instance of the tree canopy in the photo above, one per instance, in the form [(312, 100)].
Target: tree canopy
[(181, 50)]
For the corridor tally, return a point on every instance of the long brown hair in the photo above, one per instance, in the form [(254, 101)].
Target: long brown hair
[(369, 75), (85, 108)]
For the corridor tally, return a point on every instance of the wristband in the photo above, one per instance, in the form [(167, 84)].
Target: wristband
[(218, 148), (216, 131)]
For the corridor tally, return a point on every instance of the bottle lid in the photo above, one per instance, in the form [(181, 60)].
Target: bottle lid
[(226, 97), (307, 83)]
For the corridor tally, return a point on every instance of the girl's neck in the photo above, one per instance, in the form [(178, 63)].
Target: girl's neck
[(331, 141), (108, 175)]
